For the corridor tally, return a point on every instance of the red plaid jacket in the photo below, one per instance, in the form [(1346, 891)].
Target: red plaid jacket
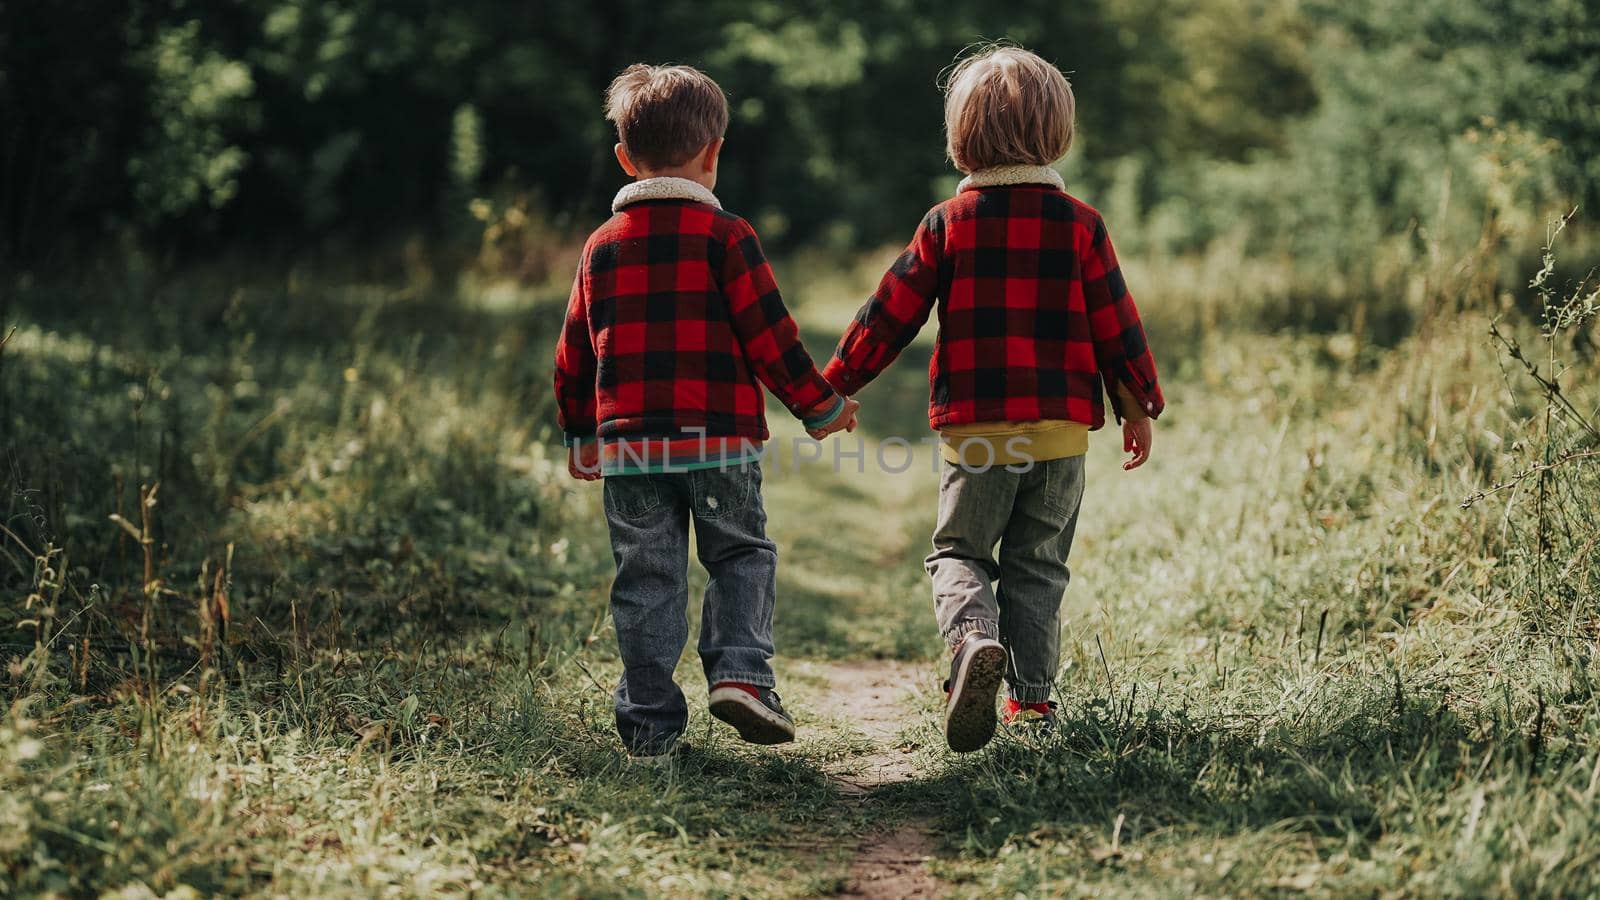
[(1034, 317), (674, 318)]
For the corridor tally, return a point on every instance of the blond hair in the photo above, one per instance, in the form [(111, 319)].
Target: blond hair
[(665, 114), (1004, 105)]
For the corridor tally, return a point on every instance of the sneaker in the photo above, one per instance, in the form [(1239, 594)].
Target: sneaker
[(1019, 713), (975, 673), (755, 711)]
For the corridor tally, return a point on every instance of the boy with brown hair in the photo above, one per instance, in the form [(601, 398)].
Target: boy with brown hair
[(674, 324), (1034, 319)]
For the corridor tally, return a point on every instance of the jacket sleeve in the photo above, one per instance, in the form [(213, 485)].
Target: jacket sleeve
[(895, 313), (1121, 351), (770, 338), (576, 366)]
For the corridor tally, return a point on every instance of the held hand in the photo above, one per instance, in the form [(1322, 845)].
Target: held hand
[(1136, 440), (583, 460), (844, 421)]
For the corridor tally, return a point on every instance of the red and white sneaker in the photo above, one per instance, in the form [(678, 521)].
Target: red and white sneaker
[(756, 712), (1018, 713)]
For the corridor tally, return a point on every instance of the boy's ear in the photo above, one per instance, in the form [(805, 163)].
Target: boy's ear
[(708, 163), (625, 161)]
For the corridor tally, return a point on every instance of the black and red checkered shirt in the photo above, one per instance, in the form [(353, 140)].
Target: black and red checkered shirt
[(674, 318), (1034, 318)]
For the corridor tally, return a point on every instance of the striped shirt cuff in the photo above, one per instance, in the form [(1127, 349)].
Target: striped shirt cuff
[(826, 418)]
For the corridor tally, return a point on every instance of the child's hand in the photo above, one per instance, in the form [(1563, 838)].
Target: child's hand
[(844, 421), (1136, 440), (583, 460)]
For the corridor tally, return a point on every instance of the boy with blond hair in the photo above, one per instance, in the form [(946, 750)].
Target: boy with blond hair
[(674, 324), (1034, 322)]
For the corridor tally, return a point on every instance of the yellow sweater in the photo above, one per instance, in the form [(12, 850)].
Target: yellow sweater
[(1019, 443), (1012, 443)]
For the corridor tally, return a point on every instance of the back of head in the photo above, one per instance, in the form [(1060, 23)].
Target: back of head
[(665, 114), (1007, 106)]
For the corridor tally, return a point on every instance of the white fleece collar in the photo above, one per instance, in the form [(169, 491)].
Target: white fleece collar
[(995, 176), (666, 188)]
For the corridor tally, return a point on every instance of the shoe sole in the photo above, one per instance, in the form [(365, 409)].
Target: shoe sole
[(754, 721), (969, 718)]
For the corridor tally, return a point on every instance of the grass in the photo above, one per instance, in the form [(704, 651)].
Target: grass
[(361, 644)]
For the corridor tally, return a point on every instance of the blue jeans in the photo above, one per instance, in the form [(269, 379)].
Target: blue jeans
[(649, 518), (1032, 516)]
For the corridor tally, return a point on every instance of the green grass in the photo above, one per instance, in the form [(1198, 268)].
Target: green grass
[(1294, 662)]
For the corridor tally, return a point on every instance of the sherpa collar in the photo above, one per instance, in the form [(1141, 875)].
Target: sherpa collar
[(995, 176), (665, 188)]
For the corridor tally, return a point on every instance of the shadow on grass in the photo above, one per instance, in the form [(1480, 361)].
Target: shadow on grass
[(361, 448), (845, 593), (829, 623), (1345, 770), (737, 798)]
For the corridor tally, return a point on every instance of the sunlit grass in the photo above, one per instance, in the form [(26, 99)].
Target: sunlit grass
[(1292, 662)]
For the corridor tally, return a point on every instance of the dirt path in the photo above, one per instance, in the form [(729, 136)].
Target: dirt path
[(880, 700)]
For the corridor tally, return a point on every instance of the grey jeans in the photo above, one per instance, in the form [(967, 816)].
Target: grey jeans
[(1032, 516), (649, 518)]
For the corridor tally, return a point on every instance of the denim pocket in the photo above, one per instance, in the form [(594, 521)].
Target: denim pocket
[(724, 492), (631, 495), (1063, 486)]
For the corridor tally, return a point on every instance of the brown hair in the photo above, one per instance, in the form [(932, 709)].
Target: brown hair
[(665, 114), (1006, 106)]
